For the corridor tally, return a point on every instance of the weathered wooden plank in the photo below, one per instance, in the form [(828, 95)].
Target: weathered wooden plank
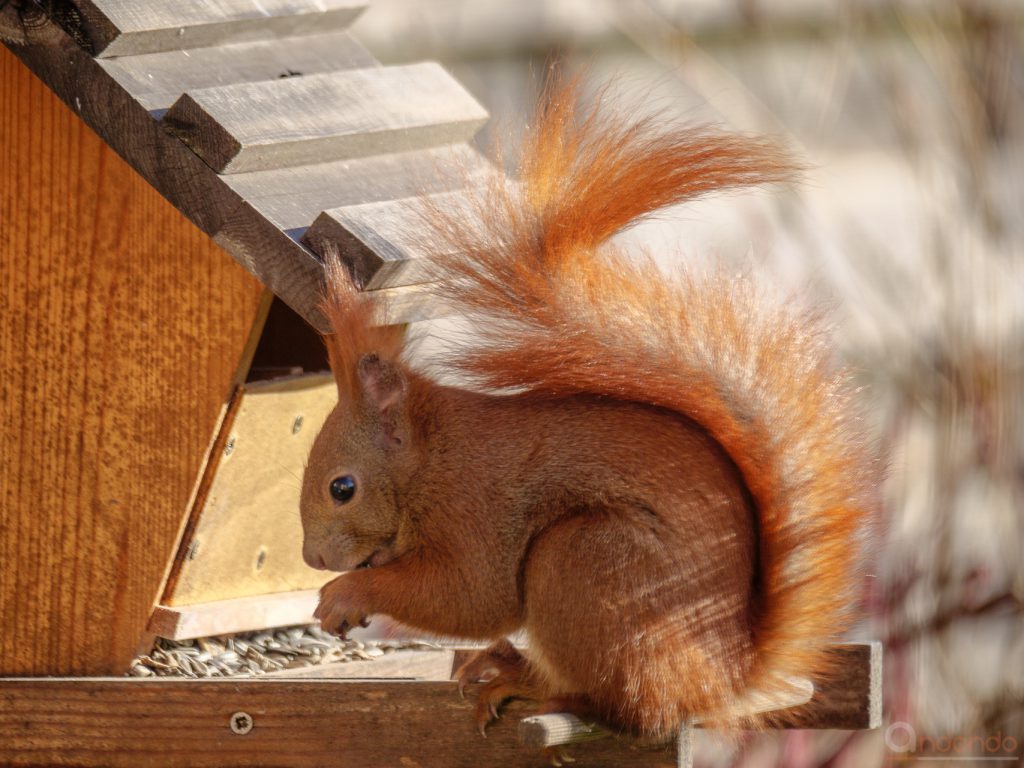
[(402, 664), (310, 119), (684, 748), (287, 346), (125, 27), (383, 242), (851, 700), (246, 539), (284, 266), (407, 304), (284, 722), (121, 329), (280, 262), (240, 614), (293, 197), (556, 729), (156, 80)]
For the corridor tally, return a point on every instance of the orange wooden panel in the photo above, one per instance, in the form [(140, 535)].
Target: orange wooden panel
[(121, 328)]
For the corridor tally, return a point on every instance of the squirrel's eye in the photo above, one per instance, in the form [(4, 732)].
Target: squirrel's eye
[(343, 488)]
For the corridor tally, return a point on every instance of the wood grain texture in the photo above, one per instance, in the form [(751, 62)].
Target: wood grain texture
[(293, 197), (269, 252), (241, 614), (684, 748), (852, 700), (246, 539), (407, 304), (123, 27), (322, 117), (557, 728), (287, 346), (120, 331), (382, 242), (304, 722), (156, 80), (407, 665), (284, 266)]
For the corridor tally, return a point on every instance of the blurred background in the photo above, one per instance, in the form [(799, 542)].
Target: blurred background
[(909, 226)]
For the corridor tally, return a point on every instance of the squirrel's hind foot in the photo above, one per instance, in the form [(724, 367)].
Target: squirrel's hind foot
[(505, 674)]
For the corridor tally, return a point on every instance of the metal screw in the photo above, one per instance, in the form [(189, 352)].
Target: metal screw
[(229, 447), (241, 723), (193, 549), (297, 425), (261, 558)]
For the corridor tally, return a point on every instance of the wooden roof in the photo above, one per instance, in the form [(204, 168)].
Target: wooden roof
[(257, 118)]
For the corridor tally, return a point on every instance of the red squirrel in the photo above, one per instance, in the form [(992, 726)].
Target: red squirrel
[(660, 478)]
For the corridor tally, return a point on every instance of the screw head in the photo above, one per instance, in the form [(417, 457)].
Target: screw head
[(241, 723), (297, 425)]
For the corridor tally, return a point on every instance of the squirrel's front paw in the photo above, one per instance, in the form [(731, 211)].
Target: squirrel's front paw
[(336, 611)]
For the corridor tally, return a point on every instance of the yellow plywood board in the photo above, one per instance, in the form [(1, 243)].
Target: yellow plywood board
[(247, 537)]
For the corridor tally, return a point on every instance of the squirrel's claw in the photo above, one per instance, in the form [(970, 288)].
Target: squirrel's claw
[(504, 674), (335, 611), (479, 668), (487, 705)]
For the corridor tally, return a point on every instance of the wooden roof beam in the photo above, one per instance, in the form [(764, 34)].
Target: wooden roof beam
[(323, 117), (125, 27)]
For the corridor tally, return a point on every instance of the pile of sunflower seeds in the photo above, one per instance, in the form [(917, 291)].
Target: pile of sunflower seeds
[(257, 653)]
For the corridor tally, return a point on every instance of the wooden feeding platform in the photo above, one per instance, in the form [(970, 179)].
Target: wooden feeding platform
[(354, 722), (170, 174)]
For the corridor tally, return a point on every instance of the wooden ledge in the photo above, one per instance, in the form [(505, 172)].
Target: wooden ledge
[(306, 722), (241, 614), (850, 701), (168, 722)]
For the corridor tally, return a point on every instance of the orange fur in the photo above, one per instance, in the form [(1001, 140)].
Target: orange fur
[(355, 333), (669, 504), (758, 377)]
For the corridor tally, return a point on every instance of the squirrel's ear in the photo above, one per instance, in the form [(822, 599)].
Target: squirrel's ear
[(383, 386)]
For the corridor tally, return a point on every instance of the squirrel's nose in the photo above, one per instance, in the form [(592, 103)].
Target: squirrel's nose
[(313, 559)]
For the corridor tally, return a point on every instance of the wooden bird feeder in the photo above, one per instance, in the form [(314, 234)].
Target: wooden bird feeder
[(169, 173)]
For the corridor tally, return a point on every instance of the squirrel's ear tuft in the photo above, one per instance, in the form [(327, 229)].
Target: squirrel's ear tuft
[(356, 331), (383, 386)]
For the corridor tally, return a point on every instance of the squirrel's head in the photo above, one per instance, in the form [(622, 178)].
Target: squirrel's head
[(357, 470), (363, 456)]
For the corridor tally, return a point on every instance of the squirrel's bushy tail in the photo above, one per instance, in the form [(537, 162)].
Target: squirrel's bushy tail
[(556, 313)]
